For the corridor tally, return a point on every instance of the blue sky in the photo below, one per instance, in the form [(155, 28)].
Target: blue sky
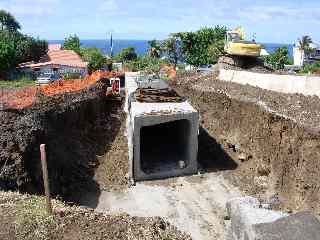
[(279, 21)]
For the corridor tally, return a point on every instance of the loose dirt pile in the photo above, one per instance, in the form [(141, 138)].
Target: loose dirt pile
[(304, 110), (272, 137), (24, 217), (244, 63)]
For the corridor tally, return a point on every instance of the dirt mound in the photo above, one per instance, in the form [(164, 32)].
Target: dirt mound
[(276, 155), (243, 63)]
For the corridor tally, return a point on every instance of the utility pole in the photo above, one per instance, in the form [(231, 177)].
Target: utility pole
[(45, 177), (111, 45)]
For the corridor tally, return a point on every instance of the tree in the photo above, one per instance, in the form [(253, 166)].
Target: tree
[(15, 47), (278, 59), (154, 49), (72, 43), (195, 45), (304, 45), (171, 49), (216, 50), (7, 53), (95, 58), (8, 22), (127, 54), (29, 48)]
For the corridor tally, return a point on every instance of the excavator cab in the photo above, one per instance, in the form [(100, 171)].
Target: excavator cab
[(232, 36), (235, 45)]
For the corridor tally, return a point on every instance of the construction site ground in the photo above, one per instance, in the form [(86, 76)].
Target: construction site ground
[(24, 217), (251, 142)]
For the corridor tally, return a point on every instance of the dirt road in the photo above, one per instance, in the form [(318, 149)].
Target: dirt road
[(194, 204)]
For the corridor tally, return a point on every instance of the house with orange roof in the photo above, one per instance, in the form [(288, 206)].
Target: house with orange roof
[(58, 61)]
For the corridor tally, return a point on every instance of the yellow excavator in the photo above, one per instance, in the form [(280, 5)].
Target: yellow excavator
[(240, 51)]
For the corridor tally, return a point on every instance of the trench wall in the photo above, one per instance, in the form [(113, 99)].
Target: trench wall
[(75, 128), (277, 149), (304, 84)]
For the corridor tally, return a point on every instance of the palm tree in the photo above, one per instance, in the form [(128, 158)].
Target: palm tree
[(304, 45), (8, 22), (154, 49)]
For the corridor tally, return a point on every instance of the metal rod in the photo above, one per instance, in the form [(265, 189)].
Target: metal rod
[(45, 177)]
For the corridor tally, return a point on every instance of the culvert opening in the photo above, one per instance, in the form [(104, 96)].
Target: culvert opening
[(164, 147)]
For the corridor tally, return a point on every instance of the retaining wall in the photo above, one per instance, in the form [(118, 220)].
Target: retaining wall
[(303, 84)]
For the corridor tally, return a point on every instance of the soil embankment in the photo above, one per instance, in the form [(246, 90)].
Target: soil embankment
[(273, 137), (76, 127)]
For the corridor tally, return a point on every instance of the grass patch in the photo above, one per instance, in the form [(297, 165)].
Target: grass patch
[(32, 220), (17, 83), (311, 68)]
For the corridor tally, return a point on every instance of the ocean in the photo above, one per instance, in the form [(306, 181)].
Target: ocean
[(141, 46)]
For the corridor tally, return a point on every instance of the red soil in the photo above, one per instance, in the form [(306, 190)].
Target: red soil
[(25, 97)]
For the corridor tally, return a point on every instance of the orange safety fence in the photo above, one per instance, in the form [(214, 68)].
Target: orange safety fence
[(25, 97)]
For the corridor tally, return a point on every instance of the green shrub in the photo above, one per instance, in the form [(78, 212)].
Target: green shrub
[(127, 54), (72, 43), (278, 59), (95, 58), (311, 68), (203, 46), (146, 63)]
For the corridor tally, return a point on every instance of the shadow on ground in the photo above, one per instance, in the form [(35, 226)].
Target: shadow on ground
[(211, 156)]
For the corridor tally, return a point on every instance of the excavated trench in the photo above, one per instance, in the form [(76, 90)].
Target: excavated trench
[(264, 152), (76, 128), (277, 157)]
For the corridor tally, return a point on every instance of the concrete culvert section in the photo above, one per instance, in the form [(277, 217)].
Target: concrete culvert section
[(162, 131), (165, 146), (164, 140)]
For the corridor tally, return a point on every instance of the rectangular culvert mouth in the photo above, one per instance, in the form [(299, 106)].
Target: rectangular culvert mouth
[(165, 147)]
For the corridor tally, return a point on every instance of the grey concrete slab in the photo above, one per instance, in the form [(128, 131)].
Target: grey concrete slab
[(298, 226), (245, 213), (251, 221)]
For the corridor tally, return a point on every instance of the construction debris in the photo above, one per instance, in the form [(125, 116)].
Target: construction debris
[(149, 95)]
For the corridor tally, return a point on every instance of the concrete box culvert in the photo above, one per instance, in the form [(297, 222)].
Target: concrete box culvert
[(165, 146), (162, 136)]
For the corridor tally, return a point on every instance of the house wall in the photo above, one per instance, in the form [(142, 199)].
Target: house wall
[(298, 56), (61, 70)]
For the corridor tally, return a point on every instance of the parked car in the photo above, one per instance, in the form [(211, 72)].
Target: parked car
[(46, 78), (205, 68)]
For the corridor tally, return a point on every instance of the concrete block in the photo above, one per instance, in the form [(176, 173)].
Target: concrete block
[(298, 226), (250, 221), (165, 144), (247, 212), (162, 137), (285, 83)]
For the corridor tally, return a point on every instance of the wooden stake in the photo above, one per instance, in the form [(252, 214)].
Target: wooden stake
[(45, 177)]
